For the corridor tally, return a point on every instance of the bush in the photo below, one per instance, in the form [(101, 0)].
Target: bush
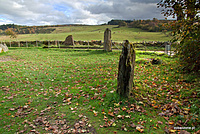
[(188, 49)]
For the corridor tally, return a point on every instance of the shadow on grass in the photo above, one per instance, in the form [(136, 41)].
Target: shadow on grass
[(81, 52)]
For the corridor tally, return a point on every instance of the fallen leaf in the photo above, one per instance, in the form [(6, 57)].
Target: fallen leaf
[(185, 132), (12, 109), (140, 129), (160, 122), (171, 122), (132, 125), (114, 124), (172, 131)]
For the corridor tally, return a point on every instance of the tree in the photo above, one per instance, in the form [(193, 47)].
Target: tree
[(185, 31), (10, 32), (122, 24)]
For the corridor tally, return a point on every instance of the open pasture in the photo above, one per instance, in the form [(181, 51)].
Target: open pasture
[(88, 33), (57, 90)]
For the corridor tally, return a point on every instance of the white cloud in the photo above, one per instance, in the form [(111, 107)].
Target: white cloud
[(43, 12)]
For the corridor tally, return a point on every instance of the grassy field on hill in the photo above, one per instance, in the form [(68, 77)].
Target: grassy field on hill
[(88, 33), (74, 91)]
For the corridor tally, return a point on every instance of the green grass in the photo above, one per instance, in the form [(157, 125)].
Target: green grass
[(88, 33), (46, 90)]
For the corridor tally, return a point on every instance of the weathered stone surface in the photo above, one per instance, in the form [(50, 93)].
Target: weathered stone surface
[(3, 47), (107, 40), (126, 70), (69, 40)]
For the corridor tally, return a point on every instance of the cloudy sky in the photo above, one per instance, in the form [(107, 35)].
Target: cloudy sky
[(48, 12)]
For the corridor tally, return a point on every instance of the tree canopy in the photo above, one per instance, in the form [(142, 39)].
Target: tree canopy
[(185, 31), (10, 32)]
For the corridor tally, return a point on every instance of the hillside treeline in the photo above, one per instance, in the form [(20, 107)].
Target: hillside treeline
[(25, 29), (18, 29), (154, 25)]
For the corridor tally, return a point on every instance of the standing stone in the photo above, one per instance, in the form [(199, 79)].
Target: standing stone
[(107, 40), (69, 40), (3, 47), (126, 70)]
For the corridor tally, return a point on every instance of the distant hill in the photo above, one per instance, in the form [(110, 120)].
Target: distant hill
[(118, 22), (31, 29), (154, 25)]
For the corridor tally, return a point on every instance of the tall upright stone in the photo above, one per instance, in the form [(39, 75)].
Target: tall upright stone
[(107, 40), (126, 70), (69, 40)]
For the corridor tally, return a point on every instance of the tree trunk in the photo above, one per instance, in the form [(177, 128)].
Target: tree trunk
[(126, 70)]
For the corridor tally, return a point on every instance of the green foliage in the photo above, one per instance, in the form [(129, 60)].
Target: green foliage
[(185, 31), (117, 22), (154, 25), (122, 24), (10, 32), (4, 27), (189, 49), (26, 29)]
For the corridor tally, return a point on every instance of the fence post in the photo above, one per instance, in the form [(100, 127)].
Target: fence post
[(111, 45), (169, 48), (36, 44), (56, 43), (26, 44), (48, 43), (115, 45), (18, 43), (88, 44), (10, 43), (145, 46), (59, 44)]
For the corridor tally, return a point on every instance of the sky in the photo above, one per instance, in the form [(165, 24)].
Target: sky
[(91, 12)]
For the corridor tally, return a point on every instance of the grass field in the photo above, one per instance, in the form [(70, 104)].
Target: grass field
[(88, 33), (53, 90)]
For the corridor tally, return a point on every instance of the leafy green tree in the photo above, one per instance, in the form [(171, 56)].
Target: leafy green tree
[(122, 24), (10, 32), (185, 31)]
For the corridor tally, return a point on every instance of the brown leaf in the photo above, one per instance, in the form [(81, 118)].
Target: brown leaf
[(166, 118), (183, 132), (160, 122), (12, 109), (166, 130), (141, 130), (171, 123), (172, 131), (111, 114), (197, 132), (132, 125), (142, 127)]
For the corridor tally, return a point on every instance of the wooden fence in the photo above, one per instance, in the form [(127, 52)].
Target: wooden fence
[(83, 43), (164, 46)]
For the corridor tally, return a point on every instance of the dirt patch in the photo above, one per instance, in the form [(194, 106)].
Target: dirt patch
[(7, 58)]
